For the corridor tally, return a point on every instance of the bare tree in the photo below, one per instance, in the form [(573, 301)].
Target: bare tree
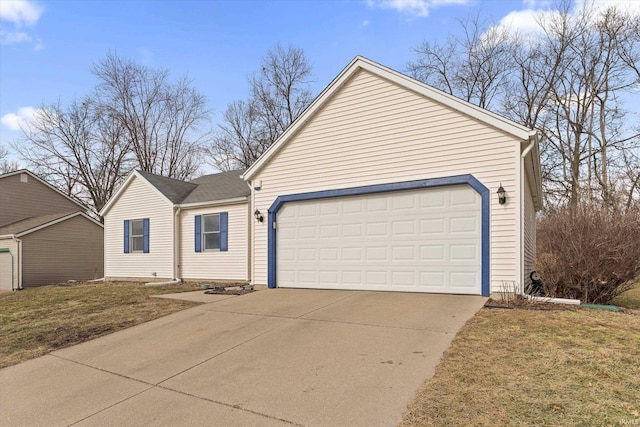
[(279, 94), (159, 118), (473, 67), (568, 82), (81, 149), (6, 165)]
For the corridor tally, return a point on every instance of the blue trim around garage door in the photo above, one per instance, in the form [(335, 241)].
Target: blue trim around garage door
[(381, 188)]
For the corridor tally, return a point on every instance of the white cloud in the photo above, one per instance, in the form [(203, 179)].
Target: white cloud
[(20, 12), (12, 37), (629, 6), (17, 121), (412, 7), (15, 15), (526, 20)]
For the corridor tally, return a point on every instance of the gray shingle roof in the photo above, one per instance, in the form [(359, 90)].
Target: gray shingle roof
[(219, 186), (207, 188), (173, 189), (33, 222)]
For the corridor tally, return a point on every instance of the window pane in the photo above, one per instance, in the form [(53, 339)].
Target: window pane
[(212, 241), (136, 227), (211, 223), (136, 244)]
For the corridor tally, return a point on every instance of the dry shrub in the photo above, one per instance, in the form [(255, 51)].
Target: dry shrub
[(588, 254)]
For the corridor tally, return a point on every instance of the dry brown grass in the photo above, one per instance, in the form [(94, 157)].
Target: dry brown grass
[(534, 368), (36, 321)]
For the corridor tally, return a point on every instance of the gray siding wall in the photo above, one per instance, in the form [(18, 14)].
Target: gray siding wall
[(69, 250), (20, 200)]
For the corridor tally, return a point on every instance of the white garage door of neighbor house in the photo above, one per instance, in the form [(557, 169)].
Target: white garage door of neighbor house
[(5, 271), (426, 240)]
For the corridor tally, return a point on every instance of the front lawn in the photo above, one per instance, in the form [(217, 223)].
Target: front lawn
[(36, 321), (526, 367)]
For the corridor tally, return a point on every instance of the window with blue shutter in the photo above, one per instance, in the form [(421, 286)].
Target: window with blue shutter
[(211, 232), (198, 233), (224, 231), (136, 235), (126, 236), (145, 235)]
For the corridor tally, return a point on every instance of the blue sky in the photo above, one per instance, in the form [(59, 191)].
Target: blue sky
[(48, 47)]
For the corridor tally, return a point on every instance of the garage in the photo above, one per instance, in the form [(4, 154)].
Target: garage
[(417, 240), (387, 184)]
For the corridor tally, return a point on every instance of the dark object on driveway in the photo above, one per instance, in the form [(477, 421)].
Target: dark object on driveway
[(536, 288)]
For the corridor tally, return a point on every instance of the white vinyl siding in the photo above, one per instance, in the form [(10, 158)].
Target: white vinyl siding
[(528, 233), (374, 132), (139, 200), (215, 264)]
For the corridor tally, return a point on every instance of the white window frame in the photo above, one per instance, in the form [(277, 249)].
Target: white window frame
[(132, 236), (205, 233)]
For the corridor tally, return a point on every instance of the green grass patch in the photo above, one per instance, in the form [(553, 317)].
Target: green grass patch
[(629, 299), (36, 321)]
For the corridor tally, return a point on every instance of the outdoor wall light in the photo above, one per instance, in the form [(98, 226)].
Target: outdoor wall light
[(502, 195), (258, 215)]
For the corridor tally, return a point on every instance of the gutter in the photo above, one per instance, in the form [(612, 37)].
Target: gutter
[(236, 200)]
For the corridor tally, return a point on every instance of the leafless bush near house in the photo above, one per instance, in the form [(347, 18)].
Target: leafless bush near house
[(589, 253)]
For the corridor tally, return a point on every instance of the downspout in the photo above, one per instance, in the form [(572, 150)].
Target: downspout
[(176, 242), (251, 249)]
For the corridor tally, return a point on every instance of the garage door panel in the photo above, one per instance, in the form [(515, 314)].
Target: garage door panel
[(425, 240)]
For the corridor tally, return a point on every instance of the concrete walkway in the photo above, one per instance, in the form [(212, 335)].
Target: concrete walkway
[(273, 357)]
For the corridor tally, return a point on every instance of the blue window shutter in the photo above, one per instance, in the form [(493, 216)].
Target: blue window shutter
[(145, 235), (126, 236), (198, 233), (224, 231)]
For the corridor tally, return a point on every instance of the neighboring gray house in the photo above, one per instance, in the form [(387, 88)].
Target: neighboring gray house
[(164, 229), (45, 236)]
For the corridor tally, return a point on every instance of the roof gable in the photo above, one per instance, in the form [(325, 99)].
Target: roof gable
[(46, 184), (361, 63), (207, 188)]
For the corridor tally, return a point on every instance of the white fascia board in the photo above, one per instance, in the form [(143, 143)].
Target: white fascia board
[(533, 171), (56, 221), (36, 177), (7, 236), (236, 201), (361, 63)]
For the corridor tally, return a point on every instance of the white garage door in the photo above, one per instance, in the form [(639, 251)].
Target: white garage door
[(426, 240)]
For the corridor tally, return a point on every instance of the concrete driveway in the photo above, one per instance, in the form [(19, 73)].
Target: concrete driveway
[(273, 357)]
